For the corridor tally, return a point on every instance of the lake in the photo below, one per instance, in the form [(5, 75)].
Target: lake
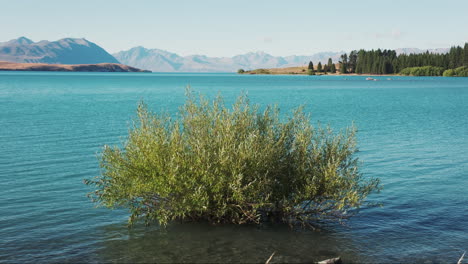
[(413, 135)]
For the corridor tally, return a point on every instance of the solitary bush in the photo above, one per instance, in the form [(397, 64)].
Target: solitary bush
[(240, 71), (238, 165)]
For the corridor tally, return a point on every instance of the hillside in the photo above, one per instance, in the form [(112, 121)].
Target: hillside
[(63, 51), (100, 67)]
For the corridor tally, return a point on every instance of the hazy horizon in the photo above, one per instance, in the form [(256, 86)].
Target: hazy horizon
[(224, 29), (252, 51)]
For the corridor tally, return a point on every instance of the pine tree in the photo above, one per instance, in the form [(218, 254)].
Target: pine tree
[(319, 67), (344, 63), (461, 59), (361, 62), (374, 68), (342, 68), (311, 66), (352, 61), (382, 69), (452, 58), (465, 51), (333, 68)]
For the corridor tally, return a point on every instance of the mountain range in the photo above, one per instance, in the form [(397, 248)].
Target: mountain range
[(82, 51), (63, 51), (158, 60), (418, 51)]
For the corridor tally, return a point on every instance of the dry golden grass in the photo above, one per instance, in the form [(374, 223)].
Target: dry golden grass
[(289, 70), (100, 67)]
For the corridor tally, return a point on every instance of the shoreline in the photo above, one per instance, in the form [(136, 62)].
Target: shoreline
[(302, 70), (411, 71), (99, 67), (330, 74)]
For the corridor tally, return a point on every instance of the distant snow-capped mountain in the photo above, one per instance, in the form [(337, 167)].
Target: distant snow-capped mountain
[(163, 61), (82, 51), (418, 51)]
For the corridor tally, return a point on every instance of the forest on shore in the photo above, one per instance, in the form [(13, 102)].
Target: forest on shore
[(452, 63)]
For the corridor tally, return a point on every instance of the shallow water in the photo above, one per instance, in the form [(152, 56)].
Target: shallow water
[(412, 134)]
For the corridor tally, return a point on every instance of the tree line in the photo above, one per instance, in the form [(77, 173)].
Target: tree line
[(329, 67), (388, 62), (455, 62)]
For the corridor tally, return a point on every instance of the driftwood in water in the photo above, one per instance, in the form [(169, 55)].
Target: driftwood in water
[(331, 261), (327, 261), (269, 259), (461, 259), (338, 260)]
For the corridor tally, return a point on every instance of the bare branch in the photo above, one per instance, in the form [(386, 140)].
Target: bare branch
[(271, 257), (461, 259)]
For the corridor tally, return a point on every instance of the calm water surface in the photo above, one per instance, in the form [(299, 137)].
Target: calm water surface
[(412, 135)]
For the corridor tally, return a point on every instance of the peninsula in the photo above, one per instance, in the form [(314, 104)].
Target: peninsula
[(99, 67)]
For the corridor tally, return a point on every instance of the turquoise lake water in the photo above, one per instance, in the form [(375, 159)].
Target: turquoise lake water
[(413, 135)]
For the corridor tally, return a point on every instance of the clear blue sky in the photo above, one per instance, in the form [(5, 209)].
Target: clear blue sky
[(226, 28)]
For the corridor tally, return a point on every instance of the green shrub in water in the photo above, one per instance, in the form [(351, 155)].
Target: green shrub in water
[(231, 165)]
